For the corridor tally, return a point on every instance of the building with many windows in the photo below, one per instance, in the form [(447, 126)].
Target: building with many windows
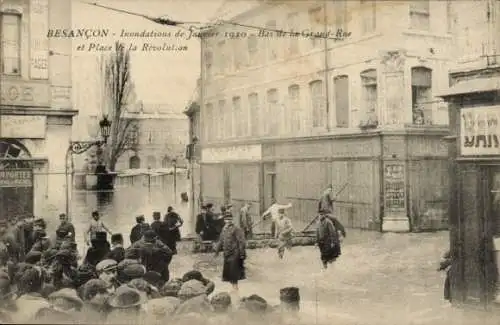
[(283, 115), (35, 107), (160, 137)]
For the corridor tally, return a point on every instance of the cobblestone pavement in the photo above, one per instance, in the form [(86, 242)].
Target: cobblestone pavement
[(379, 279)]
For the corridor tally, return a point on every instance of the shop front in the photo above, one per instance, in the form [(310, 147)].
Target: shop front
[(474, 161)]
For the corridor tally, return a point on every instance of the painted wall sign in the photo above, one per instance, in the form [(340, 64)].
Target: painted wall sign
[(23, 126), (21, 93), (39, 43), (480, 131), (16, 178), (249, 152), (394, 187)]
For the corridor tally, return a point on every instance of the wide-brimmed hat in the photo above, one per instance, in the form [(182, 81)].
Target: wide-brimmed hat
[(68, 295), (134, 271), (33, 257), (153, 278), (157, 214), (126, 297), (106, 265), (221, 302), (171, 288), (140, 218), (93, 287)]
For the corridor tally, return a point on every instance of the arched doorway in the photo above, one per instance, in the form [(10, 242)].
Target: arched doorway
[(16, 180), (165, 162), (134, 162)]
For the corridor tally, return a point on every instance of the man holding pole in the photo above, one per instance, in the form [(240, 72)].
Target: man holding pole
[(325, 207)]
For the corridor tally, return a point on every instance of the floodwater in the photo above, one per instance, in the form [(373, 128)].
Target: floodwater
[(119, 207)]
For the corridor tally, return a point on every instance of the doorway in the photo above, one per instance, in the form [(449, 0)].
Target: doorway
[(269, 184), (491, 233)]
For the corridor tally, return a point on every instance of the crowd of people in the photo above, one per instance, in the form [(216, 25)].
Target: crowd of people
[(47, 281)]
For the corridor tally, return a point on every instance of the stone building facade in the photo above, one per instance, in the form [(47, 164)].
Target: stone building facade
[(283, 116), (35, 107), (160, 137)]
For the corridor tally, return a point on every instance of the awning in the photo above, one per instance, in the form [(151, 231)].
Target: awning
[(473, 86)]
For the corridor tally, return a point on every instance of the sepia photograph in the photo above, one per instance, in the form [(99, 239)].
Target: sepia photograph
[(288, 162)]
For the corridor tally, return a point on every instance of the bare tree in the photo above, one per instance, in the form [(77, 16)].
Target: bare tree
[(118, 90)]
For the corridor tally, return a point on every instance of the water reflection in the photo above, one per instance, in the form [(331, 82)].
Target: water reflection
[(120, 207)]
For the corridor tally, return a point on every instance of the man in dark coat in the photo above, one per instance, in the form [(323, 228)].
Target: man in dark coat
[(139, 229), (327, 239), (156, 224), (232, 243), (173, 221), (99, 250), (204, 225), (155, 255)]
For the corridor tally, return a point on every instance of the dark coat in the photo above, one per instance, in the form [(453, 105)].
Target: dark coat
[(172, 219), (328, 240), (68, 228), (205, 224), (137, 231), (117, 254), (97, 253)]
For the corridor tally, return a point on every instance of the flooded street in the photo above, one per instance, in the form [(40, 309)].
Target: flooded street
[(120, 207)]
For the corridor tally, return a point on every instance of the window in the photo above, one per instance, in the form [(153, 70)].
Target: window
[(450, 17), (317, 91), (316, 20), (222, 57), (239, 119), (292, 27), (209, 125), (150, 137), (225, 129), (368, 16), (253, 101), (238, 56), (253, 51), (294, 106), (10, 38), (421, 95), (419, 14), (273, 115), (369, 93), (341, 84), (209, 62), (271, 41), (341, 15)]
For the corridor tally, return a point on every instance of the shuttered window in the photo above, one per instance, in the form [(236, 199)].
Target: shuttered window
[(341, 84)]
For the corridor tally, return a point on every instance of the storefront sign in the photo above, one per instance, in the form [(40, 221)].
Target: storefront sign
[(21, 93), (480, 131), (250, 152), (16, 178), (21, 126), (39, 49), (394, 189)]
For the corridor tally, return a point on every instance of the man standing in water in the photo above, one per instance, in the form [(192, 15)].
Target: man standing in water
[(96, 225), (274, 214), (284, 232)]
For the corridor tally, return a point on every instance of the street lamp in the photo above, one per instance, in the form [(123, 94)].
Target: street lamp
[(79, 147), (174, 161)]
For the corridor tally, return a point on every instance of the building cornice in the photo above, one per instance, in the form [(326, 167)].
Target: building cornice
[(408, 130), (47, 111)]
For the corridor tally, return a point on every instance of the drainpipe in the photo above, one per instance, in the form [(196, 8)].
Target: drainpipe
[(327, 66)]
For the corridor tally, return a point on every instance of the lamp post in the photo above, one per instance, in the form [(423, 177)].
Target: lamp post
[(79, 147), (175, 180)]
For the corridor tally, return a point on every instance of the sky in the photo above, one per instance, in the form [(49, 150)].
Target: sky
[(166, 77)]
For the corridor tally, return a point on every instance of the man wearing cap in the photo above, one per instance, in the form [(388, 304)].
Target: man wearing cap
[(139, 229), (326, 200), (272, 212), (233, 245), (67, 226), (173, 221), (117, 252), (205, 224), (327, 239), (155, 255), (107, 271), (96, 225)]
